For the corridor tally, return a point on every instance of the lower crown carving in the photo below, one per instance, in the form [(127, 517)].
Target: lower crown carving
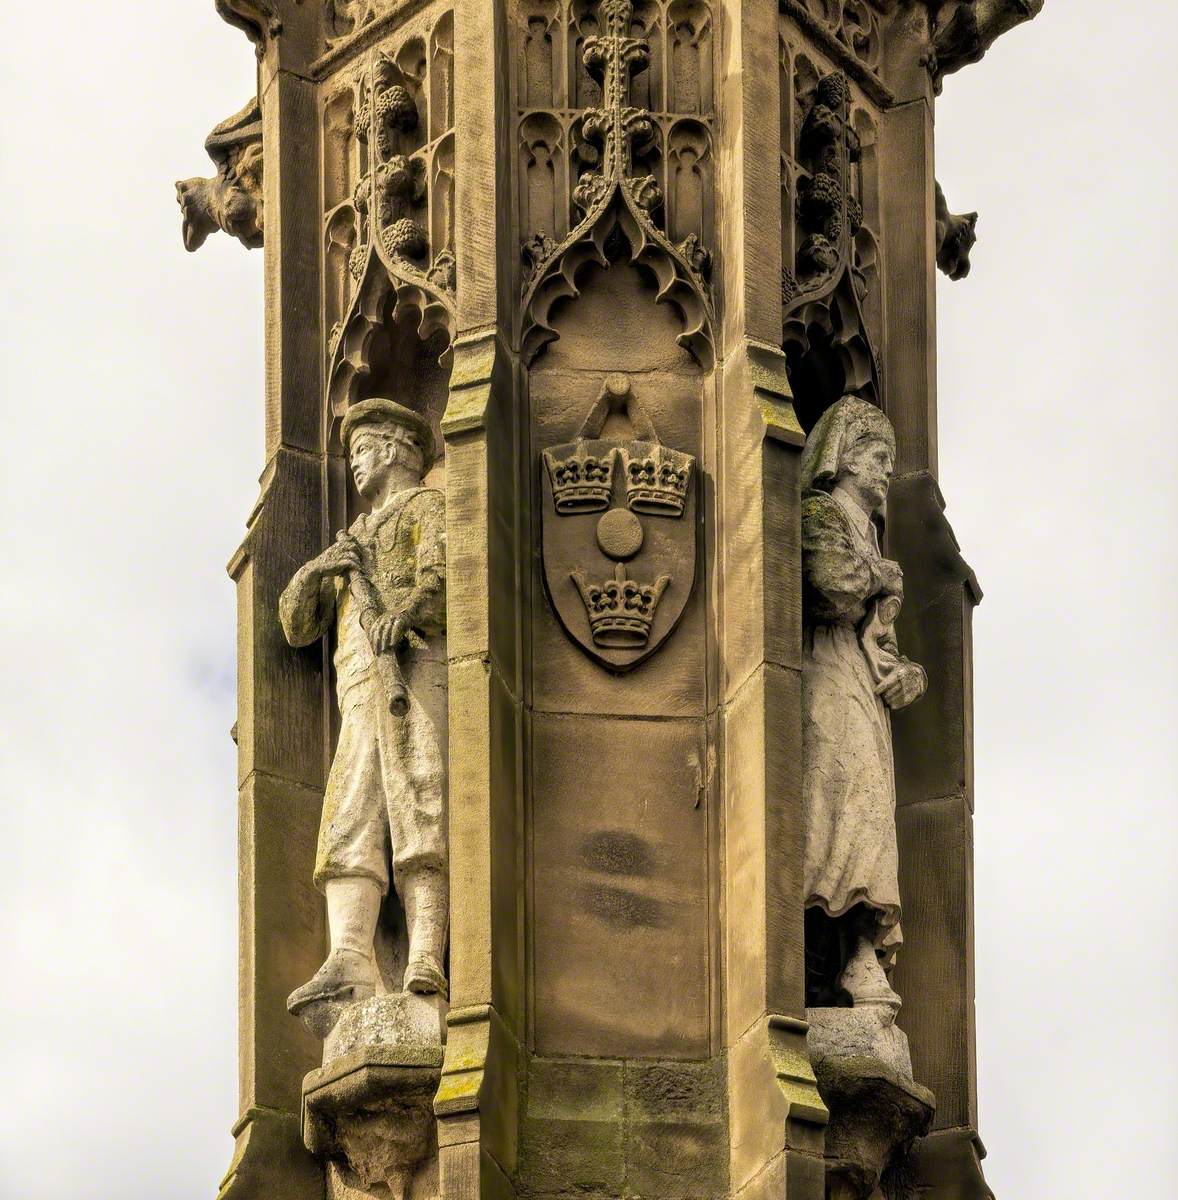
[(621, 610)]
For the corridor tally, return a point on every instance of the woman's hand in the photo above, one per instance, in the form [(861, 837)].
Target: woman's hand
[(901, 686), (891, 578)]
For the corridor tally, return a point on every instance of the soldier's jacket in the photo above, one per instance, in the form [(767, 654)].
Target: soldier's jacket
[(404, 553), (403, 548)]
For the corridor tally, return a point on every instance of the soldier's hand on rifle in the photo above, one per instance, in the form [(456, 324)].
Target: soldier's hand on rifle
[(387, 632), (340, 557)]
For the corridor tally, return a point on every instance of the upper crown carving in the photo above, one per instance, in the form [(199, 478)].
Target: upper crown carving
[(581, 480)]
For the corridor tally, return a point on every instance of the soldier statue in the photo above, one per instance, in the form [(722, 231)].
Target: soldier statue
[(383, 582)]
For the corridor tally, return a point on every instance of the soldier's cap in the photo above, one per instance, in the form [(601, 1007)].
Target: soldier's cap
[(379, 411)]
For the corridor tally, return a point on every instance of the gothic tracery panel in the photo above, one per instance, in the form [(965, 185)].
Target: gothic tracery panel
[(671, 84), (690, 59), (543, 175), (388, 191), (830, 219), (853, 24)]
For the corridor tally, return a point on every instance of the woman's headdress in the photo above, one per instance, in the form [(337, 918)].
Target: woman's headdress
[(845, 422)]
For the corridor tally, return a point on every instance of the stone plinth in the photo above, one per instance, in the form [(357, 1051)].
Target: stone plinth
[(864, 1071), (875, 1117), (866, 1031), (370, 1107)]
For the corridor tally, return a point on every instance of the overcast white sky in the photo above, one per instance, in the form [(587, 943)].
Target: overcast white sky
[(132, 418)]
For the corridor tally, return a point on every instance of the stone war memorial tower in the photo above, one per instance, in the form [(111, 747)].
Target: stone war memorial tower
[(604, 681)]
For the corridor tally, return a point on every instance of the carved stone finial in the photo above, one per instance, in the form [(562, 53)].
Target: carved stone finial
[(822, 314), (231, 200)]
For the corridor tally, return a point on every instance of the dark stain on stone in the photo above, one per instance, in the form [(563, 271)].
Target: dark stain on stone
[(615, 852), (622, 908)]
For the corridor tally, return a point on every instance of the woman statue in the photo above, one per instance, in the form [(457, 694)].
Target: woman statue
[(853, 674)]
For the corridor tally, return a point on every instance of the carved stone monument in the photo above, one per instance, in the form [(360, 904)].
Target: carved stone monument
[(586, 782)]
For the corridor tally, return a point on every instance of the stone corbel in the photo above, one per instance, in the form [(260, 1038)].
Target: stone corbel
[(476, 359), (770, 382), (231, 200), (948, 1166), (369, 1108)]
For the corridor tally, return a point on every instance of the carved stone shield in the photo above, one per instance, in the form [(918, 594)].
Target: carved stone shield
[(619, 533)]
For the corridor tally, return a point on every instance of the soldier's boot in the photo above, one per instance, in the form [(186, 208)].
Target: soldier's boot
[(426, 899), (349, 973)]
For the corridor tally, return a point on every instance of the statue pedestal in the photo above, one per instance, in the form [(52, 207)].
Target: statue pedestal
[(369, 1108), (864, 1074)]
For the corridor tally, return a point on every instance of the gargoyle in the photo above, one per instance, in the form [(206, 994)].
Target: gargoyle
[(963, 30), (232, 199), (956, 234), (257, 18)]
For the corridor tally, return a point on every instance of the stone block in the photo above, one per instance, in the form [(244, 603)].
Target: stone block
[(757, 1109), (761, 772), (673, 681), (573, 1127), (865, 1031), (947, 1165), (282, 935), (934, 971), (676, 1129), (875, 1117), (935, 628), (269, 1159), (621, 899), (772, 1182), (401, 1022)]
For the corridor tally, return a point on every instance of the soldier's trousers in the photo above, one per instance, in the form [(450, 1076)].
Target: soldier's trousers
[(385, 800)]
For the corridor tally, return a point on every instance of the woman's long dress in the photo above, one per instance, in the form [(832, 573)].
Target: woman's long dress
[(849, 787)]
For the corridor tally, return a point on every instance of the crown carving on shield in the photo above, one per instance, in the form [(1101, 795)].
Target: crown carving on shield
[(621, 610), (656, 481), (581, 480)]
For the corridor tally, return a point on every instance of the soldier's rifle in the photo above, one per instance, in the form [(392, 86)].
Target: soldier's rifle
[(369, 608)]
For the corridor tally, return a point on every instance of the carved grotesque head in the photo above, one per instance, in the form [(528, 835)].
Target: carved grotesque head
[(957, 236)]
